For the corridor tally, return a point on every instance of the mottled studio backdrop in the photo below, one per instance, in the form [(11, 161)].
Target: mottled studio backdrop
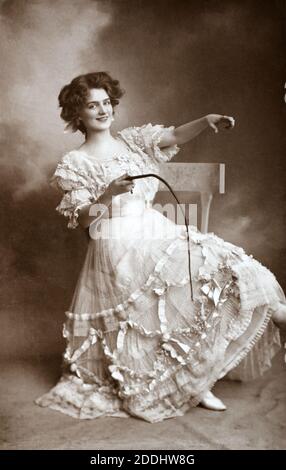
[(177, 60)]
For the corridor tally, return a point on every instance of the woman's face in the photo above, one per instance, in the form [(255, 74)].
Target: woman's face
[(96, 114)]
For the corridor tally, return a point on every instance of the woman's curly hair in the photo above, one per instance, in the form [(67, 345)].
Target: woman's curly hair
[(73, 96)]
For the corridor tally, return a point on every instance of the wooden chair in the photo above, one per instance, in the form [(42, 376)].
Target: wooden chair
[(204, 178)]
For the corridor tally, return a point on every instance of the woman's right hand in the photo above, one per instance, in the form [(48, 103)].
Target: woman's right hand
[(120, 185)]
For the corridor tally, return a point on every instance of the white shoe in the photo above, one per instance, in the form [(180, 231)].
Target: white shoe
[(211, 402)]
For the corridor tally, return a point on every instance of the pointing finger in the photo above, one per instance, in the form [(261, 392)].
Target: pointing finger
[(213, 126)]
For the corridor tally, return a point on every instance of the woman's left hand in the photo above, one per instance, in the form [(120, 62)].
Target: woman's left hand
[(216, 119)]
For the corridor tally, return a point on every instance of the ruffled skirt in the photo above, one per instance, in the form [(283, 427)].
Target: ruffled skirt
[(136, 342)]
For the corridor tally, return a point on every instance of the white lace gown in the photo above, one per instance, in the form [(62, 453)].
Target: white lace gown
[(135, 342)]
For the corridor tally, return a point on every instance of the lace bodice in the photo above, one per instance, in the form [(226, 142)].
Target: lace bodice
[(82, 178)]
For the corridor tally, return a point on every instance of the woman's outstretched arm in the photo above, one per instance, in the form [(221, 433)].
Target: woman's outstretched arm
[(188, 131)]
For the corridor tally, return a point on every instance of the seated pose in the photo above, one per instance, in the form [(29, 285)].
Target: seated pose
[(138, 342)]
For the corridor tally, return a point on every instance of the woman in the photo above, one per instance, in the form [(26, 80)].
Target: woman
[(136, 342)]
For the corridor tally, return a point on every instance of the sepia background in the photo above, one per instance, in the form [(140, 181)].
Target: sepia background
[(177, 60)]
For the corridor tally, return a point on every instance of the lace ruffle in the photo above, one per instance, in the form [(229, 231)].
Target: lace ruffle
[(80, 189), (80, 400), (71, 204), (147, 139)]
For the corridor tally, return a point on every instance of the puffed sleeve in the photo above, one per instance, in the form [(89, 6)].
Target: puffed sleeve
[(148, 138), (78, 191)]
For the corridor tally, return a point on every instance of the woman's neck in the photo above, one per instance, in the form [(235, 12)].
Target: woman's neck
[(101, 143), (99, 138)]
